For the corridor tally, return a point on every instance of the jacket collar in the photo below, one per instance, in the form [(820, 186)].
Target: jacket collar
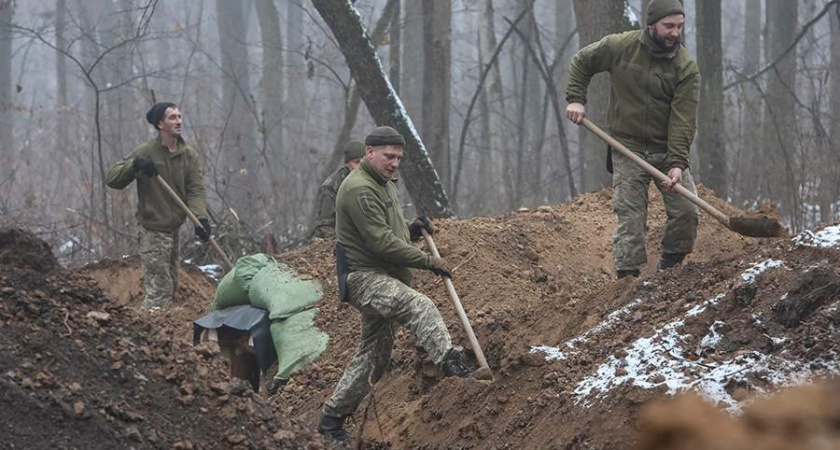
[(181, 144), (373, 173), (656, 49)]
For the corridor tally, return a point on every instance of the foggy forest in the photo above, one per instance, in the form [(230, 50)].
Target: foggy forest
[(271, 90)]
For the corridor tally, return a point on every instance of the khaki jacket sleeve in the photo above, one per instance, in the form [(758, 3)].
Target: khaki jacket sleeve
[(121, 174), (590, 60), (194, 185), (682, 123), (367, 212)]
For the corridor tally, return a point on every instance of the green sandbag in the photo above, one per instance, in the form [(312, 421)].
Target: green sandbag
[(277, 289), (233, 289), (298, 342)]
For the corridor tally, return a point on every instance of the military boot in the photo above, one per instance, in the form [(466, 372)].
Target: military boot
[(669, 260), (627, 273), (274, 385), (453, 364), (333, 427)]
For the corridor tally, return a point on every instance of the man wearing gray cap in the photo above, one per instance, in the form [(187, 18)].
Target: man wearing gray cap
[(374, 258), (179, 164), (653, 112), (325, 201)]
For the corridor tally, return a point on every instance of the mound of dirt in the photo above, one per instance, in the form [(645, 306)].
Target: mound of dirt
[(78, 370), (527, 279), (21, 248), (122, 282), (798, 419)]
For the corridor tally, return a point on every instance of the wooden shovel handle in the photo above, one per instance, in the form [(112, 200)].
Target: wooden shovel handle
[(479, 355), (661, 177), (194, 220)]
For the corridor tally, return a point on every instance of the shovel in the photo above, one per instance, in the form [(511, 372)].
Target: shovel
[(757, 226), (194, 220), (483, 372)]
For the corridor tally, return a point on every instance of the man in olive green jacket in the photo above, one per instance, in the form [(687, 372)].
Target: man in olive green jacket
[(325, 201), (653, 111), (179, 164), (374, 258)]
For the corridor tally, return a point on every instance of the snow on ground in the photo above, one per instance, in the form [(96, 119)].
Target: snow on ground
[(828, 237), (214, 271), (555, 353), (658, 360)]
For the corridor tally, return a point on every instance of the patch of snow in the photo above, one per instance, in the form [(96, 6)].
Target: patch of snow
[(554, 353), (712, 339), (214, 271), (551, 353), (749, 275), (658, 360), (828, 237)]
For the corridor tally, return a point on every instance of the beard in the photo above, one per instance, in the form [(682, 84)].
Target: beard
[(663, 43)]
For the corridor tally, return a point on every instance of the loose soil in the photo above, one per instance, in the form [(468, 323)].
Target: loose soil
[(577, 356)]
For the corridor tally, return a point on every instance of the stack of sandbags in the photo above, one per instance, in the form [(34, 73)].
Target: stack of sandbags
[(260, 281)]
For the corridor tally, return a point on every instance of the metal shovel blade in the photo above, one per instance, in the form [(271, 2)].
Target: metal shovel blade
[(756, 226)]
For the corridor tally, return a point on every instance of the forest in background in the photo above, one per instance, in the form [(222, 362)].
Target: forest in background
[(268, 99)]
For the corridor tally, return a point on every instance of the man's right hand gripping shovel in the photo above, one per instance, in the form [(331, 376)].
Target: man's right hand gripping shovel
[(483, 372), (194, 220)]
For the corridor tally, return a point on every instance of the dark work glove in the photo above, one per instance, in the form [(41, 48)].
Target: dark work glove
[(420, 223), (203, 232), (145, 166), (439, 267)]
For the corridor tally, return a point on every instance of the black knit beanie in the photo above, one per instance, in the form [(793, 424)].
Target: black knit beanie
[(155, 115)]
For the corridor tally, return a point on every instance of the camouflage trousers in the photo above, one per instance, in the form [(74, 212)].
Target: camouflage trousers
[(159, 257), (630, 204), (384, 302)]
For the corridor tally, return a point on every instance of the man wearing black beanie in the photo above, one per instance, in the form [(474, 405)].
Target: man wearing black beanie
[(653, 112), (179, 164)]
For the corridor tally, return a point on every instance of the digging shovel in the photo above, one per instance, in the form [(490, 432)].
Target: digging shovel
[(483, 372), (194, 220), (747, 226)]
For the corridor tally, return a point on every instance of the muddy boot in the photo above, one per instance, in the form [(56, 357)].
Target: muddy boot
[(333, 427), (274, 385), (627, 273), (453, 364), (669, 260)]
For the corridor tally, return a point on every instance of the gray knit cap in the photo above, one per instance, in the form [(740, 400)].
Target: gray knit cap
[(384, 135), (657, 9), (353, 150)]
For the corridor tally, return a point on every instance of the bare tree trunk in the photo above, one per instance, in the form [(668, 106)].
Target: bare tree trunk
[(271, 95), (411, 87), (495, 103), (564, 31), (296, 100), (748, 161), (711, 146), (61, 69), (239, 142), (596, 19), (779, 121), (439, 86), (829, 185), (421, 179), (395, 41), (7, 9)]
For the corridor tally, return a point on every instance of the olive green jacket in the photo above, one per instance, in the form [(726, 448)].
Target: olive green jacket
[(371, 227), (182, 170), (653, 106)]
